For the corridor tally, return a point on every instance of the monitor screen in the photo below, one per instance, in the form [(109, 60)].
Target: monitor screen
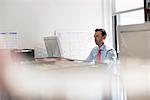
[(52, 46)]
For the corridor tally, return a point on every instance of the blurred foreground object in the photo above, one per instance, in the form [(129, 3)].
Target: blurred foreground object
[(134, 49), (60, 80)]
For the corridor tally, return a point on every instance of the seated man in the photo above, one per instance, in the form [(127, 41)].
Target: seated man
[(105, 57), (102, 54)]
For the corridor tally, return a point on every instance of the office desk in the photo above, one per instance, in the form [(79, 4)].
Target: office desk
[(60, 80)]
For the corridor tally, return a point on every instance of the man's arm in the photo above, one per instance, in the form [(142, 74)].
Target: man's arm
[(111, 55), (90, 57), (111, 60)]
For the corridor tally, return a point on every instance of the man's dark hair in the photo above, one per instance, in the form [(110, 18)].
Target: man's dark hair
[(101, 30)]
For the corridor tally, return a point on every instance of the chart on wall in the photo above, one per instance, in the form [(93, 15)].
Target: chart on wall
[(75, 44), (9, 40)]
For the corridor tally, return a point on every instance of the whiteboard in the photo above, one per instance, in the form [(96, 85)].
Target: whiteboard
[(76, 44)]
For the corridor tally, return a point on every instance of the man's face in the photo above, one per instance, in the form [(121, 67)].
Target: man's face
[(99, 39)]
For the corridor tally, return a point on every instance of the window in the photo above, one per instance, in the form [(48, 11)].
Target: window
[(129, 11), (123, 5), (134, 17)]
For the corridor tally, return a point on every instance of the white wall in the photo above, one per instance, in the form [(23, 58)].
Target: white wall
[(35, 19)]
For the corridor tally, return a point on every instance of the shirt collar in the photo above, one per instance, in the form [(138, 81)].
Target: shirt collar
[(102, 47)]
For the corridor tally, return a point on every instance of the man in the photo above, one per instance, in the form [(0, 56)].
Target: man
[(106, 57), (102, 54)]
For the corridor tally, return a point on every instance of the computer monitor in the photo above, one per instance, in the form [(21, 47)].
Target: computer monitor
[(52, 46)]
